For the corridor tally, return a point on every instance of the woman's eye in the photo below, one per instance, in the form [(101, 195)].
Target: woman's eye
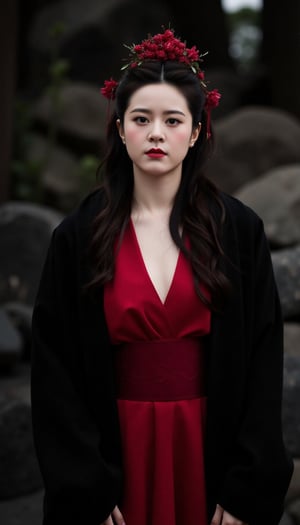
[(141, 120), (173, 121)]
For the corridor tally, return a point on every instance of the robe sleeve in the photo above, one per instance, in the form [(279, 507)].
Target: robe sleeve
[(255, 486), (80, 486)]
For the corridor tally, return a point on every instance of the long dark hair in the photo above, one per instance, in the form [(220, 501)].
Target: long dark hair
[(197, 198)]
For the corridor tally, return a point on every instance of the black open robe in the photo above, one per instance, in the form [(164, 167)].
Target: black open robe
[(74, 410)]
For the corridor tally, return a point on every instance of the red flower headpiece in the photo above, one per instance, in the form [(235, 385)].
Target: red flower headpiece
[(165, 46), (109, 88)]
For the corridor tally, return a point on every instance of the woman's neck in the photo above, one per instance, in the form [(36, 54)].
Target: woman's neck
[(155, 195)]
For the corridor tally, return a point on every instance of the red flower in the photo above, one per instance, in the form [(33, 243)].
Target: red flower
[(109, 88), (164, 46), (138, 48), (193, 54), (167, 34), (212, 99)]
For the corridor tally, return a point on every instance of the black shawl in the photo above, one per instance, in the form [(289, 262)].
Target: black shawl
[(74, 410)]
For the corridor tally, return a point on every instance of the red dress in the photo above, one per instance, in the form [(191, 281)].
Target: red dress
[(161, 396)]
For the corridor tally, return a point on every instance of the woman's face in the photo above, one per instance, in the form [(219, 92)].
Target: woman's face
[(157, 130)]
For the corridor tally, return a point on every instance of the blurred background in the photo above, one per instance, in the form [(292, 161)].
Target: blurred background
[(55, 56)]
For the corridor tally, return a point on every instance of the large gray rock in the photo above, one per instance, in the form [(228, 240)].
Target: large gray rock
[(275, 196), (292, 339), (59, 173), (20, 315), (25, 231), (291, 403), (294, 511), (82, 115), (250, 142), (19, 473), (294, 487), (286, 519), (10, 342), (286, 265), (24, 510)]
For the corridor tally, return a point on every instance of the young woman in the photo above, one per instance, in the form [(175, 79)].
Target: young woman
[(157, 331)]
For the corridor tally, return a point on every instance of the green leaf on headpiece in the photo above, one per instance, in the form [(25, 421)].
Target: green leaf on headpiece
[(129, 47)]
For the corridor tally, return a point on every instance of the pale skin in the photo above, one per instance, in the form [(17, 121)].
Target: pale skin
[(158, 117)]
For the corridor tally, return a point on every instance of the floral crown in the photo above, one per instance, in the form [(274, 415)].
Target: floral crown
[(165, 46)]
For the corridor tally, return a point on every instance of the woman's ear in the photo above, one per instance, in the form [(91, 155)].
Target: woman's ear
[(120, 130), (195, 134)]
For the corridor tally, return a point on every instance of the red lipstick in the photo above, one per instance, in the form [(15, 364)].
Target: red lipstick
[(155, 153)]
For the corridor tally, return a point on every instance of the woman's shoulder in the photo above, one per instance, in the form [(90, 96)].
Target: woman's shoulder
[(83, 214), (244, 229), (239, 213)]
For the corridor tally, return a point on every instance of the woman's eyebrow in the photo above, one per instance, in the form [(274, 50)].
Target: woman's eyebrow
[(167, 112)]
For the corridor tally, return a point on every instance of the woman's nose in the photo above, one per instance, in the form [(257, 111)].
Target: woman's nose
[(156, 133)]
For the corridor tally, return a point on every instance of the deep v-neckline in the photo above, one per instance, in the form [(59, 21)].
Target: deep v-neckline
[(148, 275)]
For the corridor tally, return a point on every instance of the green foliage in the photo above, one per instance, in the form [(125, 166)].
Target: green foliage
[(27, 183), (88, 165), (246, 15), (56, 31), (58, 75)]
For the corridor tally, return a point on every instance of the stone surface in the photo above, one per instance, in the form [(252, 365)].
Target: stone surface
[(20, 316), (294, 488), (250, 142), (286, 265), (25, 231), (292, 339), (291, 403), (286, 519), (10, 342), (275, 196), (59, 172), (294, 511), (19, 473), (26, 510), (82, 114)]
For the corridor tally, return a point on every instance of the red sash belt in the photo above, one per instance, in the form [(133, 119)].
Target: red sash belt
[(160, 370)]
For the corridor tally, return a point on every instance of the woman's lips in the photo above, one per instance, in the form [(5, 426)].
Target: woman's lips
[(155, 153)]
